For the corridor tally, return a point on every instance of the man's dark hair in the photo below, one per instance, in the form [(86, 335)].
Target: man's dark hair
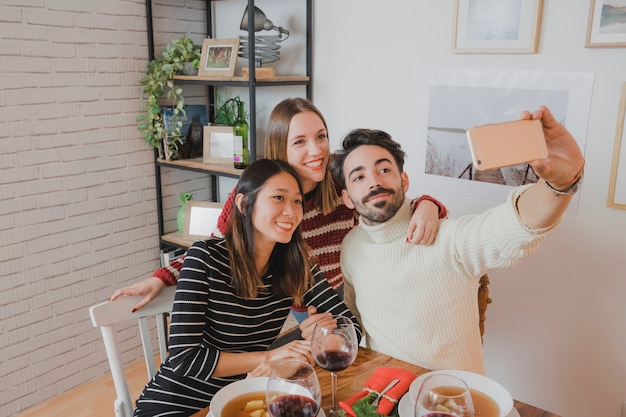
[(360, 137)]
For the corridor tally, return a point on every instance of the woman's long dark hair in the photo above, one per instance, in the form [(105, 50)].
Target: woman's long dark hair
[(289, 262)]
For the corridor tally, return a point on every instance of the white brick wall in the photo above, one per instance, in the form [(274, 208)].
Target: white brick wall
[(77, 198)]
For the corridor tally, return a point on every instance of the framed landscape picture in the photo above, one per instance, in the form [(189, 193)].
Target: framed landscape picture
[(218, 57), (218, 144), (606, 27), (504, 26)]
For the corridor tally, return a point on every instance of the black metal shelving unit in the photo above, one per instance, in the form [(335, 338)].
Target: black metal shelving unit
[(251, 83)]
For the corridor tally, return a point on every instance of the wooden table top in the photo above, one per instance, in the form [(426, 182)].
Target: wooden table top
[(352, 380)]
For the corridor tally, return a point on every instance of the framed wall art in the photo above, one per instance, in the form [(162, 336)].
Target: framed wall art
[(496, 27), (448, 101), (617, 182), (201, 219), (218, 57), (218, 144), (607, 24)]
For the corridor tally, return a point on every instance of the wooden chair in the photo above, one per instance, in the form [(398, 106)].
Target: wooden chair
[(483, 302), (107, 314)]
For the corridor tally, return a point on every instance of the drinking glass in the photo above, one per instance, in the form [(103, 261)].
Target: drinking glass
[(334, 346), (444, 395), (293, 390)]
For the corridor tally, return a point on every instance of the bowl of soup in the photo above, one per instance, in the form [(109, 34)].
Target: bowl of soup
[(489, 397), (243, 398)]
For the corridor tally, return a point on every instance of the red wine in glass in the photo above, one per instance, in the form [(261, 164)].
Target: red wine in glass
[(334, 346), (334, 360), (293, 406)]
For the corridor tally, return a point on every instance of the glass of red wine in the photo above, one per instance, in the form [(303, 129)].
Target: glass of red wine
[(334, 346), (293, 390), (443, 395)]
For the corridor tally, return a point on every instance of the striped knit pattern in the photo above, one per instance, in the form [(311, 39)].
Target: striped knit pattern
[(323, 234), (419, 303), (208, 318)]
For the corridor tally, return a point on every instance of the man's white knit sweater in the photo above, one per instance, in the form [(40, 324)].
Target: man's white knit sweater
[(419, 303)]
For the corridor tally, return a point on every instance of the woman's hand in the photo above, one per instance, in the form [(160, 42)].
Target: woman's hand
[(262, 369), (308, 325), (297, 349), (149, 288), (424, 224)]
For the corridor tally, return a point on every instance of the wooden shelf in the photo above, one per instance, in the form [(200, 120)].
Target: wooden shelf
[(178, 239), (276, 79), (195, 164)]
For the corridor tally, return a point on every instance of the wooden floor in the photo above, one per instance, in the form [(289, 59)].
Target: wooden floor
[(95, 399)]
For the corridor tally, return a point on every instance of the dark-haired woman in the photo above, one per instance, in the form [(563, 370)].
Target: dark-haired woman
[(234, 294)]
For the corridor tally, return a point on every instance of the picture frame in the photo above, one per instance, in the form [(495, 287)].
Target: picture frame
[(606, 27), (218, 57), (511, 27), (201, 219), (218, 144), (617, 181)]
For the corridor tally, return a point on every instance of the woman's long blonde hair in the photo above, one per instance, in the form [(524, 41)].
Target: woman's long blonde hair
[(326, 198)]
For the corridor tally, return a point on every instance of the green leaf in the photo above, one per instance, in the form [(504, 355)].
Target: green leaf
[(364, 408)]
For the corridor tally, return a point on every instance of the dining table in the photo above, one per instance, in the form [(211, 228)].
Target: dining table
[(352, 380)]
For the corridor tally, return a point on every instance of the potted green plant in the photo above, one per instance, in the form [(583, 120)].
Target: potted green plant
[(159, 84), (183, 198), (226, 110)]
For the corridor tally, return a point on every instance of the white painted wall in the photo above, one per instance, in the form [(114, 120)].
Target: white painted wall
[(77, 199), (556, 331)]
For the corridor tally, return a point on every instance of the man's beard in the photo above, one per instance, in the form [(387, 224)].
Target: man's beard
[(381, 211)]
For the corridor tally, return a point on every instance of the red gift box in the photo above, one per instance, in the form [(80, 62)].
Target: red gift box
[(377, 382)]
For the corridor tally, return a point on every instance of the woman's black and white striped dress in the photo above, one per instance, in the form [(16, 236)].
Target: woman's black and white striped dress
[(208, 318)]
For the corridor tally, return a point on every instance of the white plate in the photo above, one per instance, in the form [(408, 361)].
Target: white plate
[(406, 409), (476, 381), (405, 406)]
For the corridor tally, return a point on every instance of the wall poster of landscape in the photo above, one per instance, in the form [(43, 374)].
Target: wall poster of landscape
[(606, 27), (453, 100)]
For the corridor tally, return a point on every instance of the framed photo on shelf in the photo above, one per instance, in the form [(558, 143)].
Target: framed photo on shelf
[(617, 182), (201, 219), (218, 57), (218, 144), (496, 27), (606, 27)]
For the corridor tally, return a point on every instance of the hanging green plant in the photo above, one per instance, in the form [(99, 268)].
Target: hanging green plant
[(159, 83)]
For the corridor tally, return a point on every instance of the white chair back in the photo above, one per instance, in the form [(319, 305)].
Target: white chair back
[(105, 315)]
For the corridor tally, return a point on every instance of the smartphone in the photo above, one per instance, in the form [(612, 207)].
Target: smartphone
[(504, 144)]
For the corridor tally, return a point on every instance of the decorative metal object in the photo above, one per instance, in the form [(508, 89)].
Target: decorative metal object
[(265, 46)]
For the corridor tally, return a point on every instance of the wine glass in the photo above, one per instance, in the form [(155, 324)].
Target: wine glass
[(293, 390), (443, 395), (334, 346)]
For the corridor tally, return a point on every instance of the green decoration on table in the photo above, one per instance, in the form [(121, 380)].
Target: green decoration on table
[(364, 408)]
